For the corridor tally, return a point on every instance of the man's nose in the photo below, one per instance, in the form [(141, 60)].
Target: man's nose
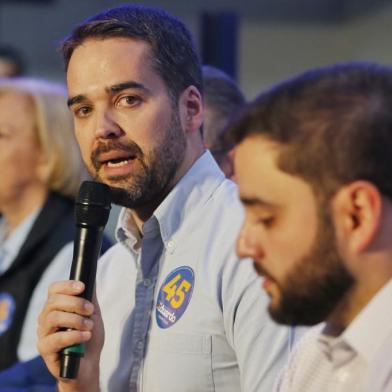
[(247, 243), (106, 126)]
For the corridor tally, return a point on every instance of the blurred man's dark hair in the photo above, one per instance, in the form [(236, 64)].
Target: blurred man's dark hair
[(222, 99), (12, 62), (334, 123)]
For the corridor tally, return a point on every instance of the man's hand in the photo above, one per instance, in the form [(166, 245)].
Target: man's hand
[(64, 309)]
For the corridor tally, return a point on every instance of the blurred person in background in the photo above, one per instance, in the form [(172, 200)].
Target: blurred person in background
[(41, 170), (222, 99), (12, 63)]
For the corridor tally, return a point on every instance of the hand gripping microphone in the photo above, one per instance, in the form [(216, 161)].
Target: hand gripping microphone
[(92, 209)]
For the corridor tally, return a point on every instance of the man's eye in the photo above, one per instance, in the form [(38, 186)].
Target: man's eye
[(82, 111), (266, 221), (129, 100)]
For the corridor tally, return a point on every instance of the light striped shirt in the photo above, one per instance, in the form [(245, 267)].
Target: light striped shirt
[(359, 360)]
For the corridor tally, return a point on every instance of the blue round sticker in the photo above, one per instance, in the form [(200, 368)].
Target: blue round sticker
[(7, 308), (174, 296)]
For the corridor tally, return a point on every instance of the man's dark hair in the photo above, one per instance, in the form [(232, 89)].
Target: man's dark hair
[(223, 98), (173, 52), (334, 125)]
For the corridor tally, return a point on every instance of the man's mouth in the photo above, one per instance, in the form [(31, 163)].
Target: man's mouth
[(118, 162), (114, 159), (262, 272)]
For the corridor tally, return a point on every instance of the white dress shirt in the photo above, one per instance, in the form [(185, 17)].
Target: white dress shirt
[(359, 360)]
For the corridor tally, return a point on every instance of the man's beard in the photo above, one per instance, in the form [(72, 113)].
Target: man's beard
[(319, 281), (151, 180)]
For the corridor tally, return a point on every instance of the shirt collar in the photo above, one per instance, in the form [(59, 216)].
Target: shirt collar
[(368, 330), (193, 189), (370, 322), (127, 231)]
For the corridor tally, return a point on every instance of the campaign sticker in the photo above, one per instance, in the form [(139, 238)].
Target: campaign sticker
[(7, 309), (174, 296)]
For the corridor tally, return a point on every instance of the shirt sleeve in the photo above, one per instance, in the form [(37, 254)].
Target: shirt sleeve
[(57, 270)]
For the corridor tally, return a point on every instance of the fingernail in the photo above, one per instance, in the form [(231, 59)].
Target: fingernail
[(77, 285), (88, 306), (85, 335), (88, 323)]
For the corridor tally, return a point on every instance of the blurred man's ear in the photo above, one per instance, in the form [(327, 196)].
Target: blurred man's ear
[(357, 214), (191, 109)]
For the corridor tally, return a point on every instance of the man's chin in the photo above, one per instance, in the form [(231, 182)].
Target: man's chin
[(118, 181), (281, 317), (294, 315), (121, 196)]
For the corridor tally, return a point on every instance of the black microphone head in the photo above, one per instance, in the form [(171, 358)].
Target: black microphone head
[(92, 204)]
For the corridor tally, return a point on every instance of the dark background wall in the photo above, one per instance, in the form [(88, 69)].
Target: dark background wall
[(275, 38)]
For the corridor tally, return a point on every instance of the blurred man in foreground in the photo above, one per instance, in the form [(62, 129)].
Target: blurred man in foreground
[(313, 164)]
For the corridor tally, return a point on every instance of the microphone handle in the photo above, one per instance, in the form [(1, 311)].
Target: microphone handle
[(87, 247)]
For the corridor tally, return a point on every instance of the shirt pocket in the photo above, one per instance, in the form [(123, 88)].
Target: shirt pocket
[(178, 362)]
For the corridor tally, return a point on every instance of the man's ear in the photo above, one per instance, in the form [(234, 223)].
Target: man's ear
[(191, 109), (357, 215)]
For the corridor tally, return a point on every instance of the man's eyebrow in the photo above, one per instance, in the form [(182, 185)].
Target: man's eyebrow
[(116, 88), (126, 85), (76, 99), (256, 202)]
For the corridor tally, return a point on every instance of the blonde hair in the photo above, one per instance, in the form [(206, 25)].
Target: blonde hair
[(64, 170)]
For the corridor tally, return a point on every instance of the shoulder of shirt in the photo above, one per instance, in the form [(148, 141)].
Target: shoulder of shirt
[(115, 248), (225, 196)]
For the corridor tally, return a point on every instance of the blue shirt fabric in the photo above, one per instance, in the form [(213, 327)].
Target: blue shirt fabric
[(30, 376), (57, 270), (181, 313)]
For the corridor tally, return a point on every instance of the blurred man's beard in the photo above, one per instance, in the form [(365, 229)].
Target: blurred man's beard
[(154, 173), (319, 281)]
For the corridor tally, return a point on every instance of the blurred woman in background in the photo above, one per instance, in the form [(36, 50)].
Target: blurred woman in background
[(41, 171)]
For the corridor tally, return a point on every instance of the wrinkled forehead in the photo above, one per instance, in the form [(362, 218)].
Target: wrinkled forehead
[(101, 63)]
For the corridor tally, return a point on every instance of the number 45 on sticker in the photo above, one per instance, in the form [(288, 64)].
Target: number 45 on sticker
[(176, 294)]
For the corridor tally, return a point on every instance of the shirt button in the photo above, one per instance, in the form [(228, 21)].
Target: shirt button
[(147, 282), (140, 344), (171, 246)]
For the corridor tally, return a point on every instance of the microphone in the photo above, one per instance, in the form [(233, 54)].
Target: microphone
[(92, 209)]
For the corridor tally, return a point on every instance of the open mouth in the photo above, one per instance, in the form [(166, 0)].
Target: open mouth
[(118, 162), (115, 159)]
